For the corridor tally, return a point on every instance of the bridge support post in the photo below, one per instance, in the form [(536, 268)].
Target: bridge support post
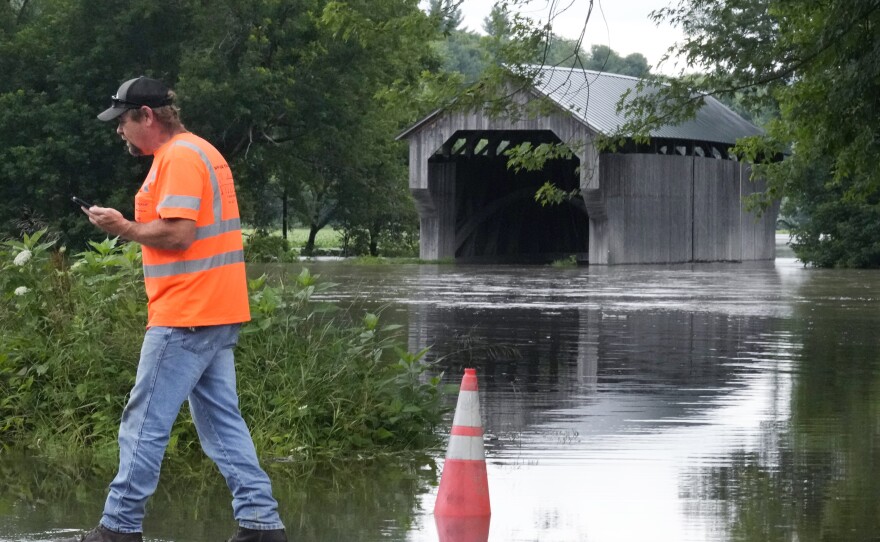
[(436, 207)]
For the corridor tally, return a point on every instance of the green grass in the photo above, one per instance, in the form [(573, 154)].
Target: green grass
[(570, 261), (327, 237)]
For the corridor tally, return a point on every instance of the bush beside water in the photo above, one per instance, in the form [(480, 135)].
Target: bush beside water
[(263, 246), (311, 383)]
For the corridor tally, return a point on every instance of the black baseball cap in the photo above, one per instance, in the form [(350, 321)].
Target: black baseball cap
[(134, 94)]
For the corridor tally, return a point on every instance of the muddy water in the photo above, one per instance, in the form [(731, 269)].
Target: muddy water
[(712, 402)]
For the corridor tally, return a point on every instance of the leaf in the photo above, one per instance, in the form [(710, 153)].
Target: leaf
[(383, 434), (371, 321), (82, 391)]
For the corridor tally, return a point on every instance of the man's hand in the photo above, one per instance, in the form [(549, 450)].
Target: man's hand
[(162, 233), (109, 220)]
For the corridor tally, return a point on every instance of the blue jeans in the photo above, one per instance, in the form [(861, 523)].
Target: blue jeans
[(176, 364)]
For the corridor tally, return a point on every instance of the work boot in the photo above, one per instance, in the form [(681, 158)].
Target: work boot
[(103, 534), (250, 535)]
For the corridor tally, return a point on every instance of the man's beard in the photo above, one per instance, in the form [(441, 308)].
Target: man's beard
[(132, 150)]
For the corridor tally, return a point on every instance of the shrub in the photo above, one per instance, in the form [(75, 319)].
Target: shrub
[(310, 382), (261, 247)]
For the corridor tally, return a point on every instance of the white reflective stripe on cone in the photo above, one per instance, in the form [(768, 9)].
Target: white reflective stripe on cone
[(465, 448), (467, 412)]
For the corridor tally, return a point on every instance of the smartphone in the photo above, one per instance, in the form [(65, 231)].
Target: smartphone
[(81, 202)]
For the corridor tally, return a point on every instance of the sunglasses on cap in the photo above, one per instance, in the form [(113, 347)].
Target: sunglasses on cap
[(118, 103)]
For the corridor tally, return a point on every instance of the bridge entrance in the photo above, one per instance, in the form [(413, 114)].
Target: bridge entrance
[(496, 217)]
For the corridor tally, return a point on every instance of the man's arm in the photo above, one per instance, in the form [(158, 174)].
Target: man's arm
[(162, 233)]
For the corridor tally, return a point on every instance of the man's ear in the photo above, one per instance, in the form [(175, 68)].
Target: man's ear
[(149, 115)]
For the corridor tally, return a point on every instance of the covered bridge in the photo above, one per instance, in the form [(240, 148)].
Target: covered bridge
[(677, 199)]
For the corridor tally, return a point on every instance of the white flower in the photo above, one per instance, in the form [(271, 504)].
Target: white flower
[(21, 290), (22, 258)]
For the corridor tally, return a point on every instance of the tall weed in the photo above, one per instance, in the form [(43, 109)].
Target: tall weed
[(311, 383)]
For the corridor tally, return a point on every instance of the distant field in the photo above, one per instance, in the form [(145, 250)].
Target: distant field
[(326, 238)]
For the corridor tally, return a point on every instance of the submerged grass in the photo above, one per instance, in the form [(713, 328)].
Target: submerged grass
[(382, 260), (337, 500), (312, 383)]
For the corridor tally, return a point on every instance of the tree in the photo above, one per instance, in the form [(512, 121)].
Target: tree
[(818, 62), (463, 52), (602, 58), (498, 23), (447, 14), (60, 66), (288, 90)]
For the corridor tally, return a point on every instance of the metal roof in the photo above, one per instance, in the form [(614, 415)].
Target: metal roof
[(592, 98)]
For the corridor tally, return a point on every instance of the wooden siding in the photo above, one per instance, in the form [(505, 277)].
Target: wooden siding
[(437, 213), (649, 204), (717, 217), (428, 139), (759, 232), (667, 209)]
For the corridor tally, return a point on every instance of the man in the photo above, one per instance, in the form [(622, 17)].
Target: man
[(186, 219)]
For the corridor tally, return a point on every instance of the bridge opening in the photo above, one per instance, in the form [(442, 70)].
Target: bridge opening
[(497, 219)]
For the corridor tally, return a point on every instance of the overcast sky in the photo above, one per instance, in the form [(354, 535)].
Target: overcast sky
[(622, 25)]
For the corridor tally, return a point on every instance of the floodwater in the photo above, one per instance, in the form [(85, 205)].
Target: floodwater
[(709, 402)]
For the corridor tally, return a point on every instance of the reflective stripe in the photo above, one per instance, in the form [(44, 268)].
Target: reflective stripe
[(469, 448), (467, 410), (215, 184), (181, 202), (193, 266), (149, 182), (465, 431), (204, 232)]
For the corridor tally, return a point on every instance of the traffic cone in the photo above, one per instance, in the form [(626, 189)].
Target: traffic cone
[(463, 528), (464, 486)]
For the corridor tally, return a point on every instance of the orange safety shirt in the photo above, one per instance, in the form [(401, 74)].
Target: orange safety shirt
[(205, 284)]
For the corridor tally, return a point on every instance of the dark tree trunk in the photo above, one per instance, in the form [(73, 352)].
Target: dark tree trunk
[(374, 240), (310, 244), (284, 224)]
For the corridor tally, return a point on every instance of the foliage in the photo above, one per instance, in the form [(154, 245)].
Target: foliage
[(297, 95), (328, 390), (526, 156), (509, 37), (446, 15), (818, 63), (60, 65), (570, 261), (384, 220), (311, 383), (261, 247), (317, 91), (835, 231), (394, 240), (59, 372), (462, 52)]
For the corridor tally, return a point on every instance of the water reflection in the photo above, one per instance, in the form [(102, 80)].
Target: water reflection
[(596, 414), (815, 477), (366, 501)]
